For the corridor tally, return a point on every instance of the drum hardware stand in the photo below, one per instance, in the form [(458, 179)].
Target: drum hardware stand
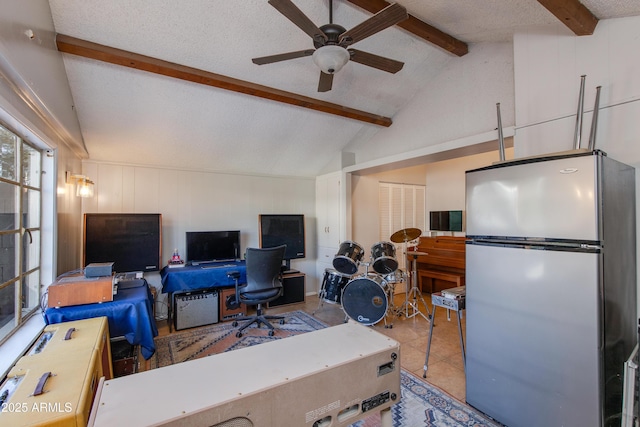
[(366, 267), (392, 311), (321, 295), (415, 293)]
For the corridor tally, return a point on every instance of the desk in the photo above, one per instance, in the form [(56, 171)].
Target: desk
[(455, 304), (129, 315), (203, 276)]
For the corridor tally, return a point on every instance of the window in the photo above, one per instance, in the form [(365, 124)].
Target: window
[(20, 230)]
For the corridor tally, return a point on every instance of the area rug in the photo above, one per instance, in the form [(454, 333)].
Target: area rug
[(421, 404)]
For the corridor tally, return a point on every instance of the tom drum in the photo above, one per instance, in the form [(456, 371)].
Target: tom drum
[(383, 255), (347, 259), (333, 284), (364, 299)]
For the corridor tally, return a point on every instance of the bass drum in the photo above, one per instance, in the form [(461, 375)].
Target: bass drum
[(333, 284), (384, 258), (364, 299), (348, 258)]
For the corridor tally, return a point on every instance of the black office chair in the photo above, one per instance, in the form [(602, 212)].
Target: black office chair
[(264, 284)]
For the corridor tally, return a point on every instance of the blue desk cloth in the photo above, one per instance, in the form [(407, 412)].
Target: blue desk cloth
[(204, 276), (130, 314)]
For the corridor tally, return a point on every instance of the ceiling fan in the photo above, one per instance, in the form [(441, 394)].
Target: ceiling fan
[(332, 41)]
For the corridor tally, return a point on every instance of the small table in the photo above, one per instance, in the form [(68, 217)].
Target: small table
[(456, 304), (129, 315)]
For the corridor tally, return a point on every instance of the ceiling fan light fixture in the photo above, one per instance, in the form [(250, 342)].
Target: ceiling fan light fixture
[(331, 58)]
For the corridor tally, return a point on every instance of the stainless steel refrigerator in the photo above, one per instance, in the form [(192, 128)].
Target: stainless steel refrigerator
[(551, 289)]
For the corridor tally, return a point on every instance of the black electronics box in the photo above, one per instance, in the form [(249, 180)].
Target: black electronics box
[(196, 308), (292, 290), (98, 269)]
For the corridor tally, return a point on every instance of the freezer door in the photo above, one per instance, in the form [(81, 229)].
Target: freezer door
[(533, 336), (553, 199)]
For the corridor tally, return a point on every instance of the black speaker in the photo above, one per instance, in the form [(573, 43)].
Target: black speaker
[(196, 308), (292, 290), (132, 242)]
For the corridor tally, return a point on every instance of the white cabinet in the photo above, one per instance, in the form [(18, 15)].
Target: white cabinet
[(328, 221), (328, 210)]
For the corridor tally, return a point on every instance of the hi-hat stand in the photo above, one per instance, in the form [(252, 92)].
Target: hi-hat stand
[(414, 296)]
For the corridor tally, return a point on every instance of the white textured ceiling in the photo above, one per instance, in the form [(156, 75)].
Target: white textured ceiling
[(136, 117)]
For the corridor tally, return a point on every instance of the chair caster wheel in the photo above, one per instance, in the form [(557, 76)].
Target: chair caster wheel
[(282, 321), (238, 334), (234, 324), (270, 333)]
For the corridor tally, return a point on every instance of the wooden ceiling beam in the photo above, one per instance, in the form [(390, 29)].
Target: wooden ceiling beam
[(86, 49), (573, 14), (419, 28)]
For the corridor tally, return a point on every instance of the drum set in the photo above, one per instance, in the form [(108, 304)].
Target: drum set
[(368, 297)]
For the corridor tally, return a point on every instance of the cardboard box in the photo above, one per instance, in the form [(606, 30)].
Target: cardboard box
[(77, 290)]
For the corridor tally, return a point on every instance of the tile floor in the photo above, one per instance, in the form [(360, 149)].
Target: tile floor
[(446, 369)]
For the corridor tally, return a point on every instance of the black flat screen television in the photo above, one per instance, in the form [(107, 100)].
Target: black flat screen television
[(133, 242), (284, 229), (445, 220), (207, 246)]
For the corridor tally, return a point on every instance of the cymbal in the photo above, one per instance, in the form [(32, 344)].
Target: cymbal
[(405, 235)]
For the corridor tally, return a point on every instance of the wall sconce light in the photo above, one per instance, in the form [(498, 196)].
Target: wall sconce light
[(84, 186)]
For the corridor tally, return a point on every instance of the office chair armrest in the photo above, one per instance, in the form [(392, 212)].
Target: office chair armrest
[(234, 303)]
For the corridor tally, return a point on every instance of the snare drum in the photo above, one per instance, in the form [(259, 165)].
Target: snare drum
[(364, 299), (384, 258), (348, 257), (395, 277), (333, 283)]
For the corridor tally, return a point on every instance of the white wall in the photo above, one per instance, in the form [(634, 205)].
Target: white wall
[(202, 201), (445, 190), (459, 102), (365, 221), (36, 103), (34, 86), (446, 179), (547, 79)]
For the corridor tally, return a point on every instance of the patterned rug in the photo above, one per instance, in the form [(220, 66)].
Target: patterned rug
[(421, 404)]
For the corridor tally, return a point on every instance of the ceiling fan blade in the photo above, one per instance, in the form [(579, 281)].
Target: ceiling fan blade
[(325, 83), (295, 15), (375, 61), (387, 17), (282, 57)]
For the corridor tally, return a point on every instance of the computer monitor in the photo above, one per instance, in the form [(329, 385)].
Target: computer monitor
[(208, 246)]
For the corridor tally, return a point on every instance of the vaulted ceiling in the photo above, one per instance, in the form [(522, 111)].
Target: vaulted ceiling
[(172, 84)]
